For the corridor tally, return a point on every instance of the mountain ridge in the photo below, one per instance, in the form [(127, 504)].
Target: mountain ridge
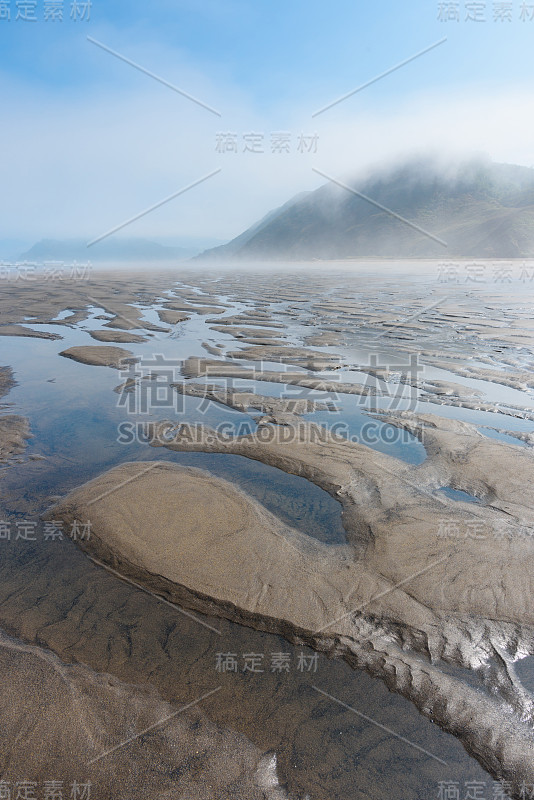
[(478, 208), (116, 249)]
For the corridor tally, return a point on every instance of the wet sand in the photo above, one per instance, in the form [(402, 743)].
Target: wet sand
[(87, 729), (14, 429), (454, 584), (418, 637), (98, 356)]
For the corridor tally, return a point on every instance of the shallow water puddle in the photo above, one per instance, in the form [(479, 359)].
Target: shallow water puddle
[(458, 495)]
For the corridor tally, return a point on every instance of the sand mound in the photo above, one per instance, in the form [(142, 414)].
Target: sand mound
[(397, 601), (98, 356)]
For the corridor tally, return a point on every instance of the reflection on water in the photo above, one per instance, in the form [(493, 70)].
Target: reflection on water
[(525, 672), (458, 494), (52, 594), (355, 424)]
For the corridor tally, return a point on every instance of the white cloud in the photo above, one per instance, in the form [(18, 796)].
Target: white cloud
[(81, 166)]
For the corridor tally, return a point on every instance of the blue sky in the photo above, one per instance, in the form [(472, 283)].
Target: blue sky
[(94, 142)]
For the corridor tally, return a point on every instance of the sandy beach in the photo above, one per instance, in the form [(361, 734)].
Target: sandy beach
[(242, 487)]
